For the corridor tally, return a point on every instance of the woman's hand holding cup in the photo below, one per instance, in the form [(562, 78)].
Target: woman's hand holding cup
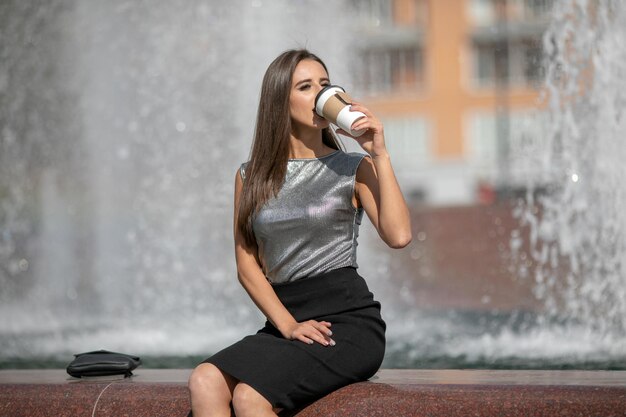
[(354, 120), (373, 138)]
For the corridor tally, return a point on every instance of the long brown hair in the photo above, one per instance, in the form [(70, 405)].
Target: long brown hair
[(269, 153)]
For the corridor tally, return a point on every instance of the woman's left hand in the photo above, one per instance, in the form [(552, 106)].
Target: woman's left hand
[(373, 140)]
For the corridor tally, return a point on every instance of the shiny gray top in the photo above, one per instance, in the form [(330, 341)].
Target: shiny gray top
[(311, 226)]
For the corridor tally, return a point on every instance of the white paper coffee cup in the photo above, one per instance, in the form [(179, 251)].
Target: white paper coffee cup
[(333, 104)]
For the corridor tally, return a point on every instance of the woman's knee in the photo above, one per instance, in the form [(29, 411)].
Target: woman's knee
[(205, 377), (246, 400)]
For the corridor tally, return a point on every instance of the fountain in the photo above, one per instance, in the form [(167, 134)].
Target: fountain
[(577, 230), (569, 243), (122, 125)]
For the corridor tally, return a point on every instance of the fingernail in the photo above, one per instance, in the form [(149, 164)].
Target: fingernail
[(330, 333), (332, 342), (310, 342)]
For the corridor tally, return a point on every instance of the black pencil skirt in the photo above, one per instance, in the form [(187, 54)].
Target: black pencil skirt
[(290, 373)]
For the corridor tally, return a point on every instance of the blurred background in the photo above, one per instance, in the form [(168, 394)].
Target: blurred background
[(123, 123)]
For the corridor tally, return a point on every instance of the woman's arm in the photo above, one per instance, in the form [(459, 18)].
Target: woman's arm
[(261, 292), (376, 186)]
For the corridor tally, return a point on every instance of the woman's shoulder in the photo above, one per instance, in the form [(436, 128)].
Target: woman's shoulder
[(355, 156), (349, 160)]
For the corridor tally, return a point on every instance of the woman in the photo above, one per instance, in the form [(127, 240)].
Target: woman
[(298, 205)]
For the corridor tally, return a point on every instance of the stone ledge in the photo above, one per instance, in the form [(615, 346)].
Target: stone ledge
[(397, 393)]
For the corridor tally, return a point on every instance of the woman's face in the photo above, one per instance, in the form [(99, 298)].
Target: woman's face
[(309, 78)]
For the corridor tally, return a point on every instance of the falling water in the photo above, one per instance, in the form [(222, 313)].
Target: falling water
[(577, 241), (122, 124)]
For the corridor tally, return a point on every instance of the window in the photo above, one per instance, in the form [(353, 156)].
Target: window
[(391, 70), (481, 143), (373, 12), (408, 142), (523, 66), (484, 64), (533, 64), (487, 155), (537, 9), (482, 12), (487, 12)]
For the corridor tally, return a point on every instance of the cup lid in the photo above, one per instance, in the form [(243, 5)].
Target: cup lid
[(324, 91)]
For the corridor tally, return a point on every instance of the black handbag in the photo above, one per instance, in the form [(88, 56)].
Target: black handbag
[(102, 363)]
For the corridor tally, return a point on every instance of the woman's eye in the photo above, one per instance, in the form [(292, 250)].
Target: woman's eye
[(304, 87)]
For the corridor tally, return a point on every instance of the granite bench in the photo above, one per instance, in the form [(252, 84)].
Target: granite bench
[(397, 393)]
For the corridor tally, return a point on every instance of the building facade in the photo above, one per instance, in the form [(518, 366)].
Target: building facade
[(457, 84)]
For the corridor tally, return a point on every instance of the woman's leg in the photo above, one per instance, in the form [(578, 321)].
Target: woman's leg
[(211, 391), (247, 402)]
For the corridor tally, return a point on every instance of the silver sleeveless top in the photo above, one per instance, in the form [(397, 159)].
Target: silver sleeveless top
[(311, 226)]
